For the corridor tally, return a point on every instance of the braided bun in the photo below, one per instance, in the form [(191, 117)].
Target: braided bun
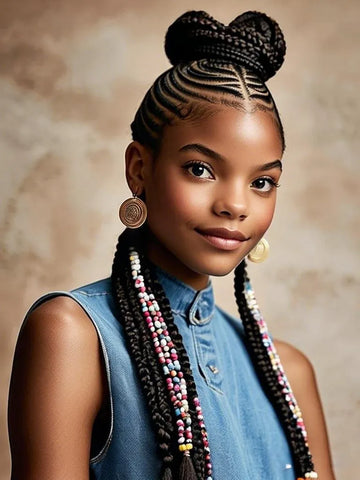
[(252, 40)]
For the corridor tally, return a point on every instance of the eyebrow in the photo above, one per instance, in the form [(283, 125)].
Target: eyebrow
[(271, 165), (198, 147)]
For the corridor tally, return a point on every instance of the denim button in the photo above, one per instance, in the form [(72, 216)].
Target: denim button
[(214, 369)]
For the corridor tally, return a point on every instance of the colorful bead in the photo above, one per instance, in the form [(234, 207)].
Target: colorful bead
[(168, 357), (277, 366)]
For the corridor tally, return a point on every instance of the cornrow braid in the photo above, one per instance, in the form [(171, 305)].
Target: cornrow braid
[(212, 64), (271, 374), (185, 91)]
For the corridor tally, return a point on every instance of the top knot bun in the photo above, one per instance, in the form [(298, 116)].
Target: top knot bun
[(252, 40)]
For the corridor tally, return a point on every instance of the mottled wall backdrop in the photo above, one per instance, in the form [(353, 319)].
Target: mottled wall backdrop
[(71, 76)]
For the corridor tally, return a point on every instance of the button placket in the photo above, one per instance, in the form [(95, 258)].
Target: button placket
[(200, 315)]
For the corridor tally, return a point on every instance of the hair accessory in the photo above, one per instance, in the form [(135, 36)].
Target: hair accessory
[(260, 252), (167, 355), (133, 212), (277, 366)]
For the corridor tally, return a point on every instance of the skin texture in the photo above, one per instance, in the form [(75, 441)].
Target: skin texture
[(226, 195), (51, 415)]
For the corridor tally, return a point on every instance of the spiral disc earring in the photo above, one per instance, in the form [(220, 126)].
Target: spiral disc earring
[(260, 252), (133, 212)]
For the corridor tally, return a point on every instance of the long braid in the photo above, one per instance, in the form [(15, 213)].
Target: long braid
[(199, 456), (150, 375), (272, 378)]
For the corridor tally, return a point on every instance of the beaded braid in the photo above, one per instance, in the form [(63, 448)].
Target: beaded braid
[(158, 336), (271, 374), (150, 376)]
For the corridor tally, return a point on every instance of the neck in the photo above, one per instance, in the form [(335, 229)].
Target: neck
[(164, 259)]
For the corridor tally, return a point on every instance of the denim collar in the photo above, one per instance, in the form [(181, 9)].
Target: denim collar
[(197, 307)]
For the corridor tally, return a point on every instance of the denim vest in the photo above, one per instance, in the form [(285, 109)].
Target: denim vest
[(246, 439)]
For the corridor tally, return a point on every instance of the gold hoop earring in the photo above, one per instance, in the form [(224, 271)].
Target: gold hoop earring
[(260, 252), (133, 212)]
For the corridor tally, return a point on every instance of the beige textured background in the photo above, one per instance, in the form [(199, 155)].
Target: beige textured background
[(71, 76)]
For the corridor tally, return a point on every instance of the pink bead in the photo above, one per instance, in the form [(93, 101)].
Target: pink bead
[(142, 289), (158, 349)]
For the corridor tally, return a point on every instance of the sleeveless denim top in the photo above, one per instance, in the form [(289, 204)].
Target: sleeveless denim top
[(246, 438)]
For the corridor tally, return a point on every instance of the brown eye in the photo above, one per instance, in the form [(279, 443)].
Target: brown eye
[(199, 170), (264, 184)]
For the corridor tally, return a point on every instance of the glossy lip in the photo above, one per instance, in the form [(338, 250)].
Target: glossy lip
[(223, 238)]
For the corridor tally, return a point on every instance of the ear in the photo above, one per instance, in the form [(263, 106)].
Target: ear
[(138, 161)]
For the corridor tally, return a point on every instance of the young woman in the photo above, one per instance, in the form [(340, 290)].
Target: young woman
[(141, 376)]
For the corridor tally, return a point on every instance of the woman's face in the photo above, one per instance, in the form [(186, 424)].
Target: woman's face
[(211, 191)]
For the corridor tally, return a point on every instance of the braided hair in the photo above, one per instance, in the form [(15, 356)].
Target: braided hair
[(213, 64)]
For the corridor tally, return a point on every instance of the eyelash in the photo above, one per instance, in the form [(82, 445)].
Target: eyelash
[(197, 163), (271, 181)]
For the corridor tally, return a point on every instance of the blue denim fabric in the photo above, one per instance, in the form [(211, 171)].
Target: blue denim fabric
[(246, 439)]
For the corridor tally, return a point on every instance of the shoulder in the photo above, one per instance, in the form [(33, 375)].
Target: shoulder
[(297, 365), (59, 320), (58, 364), (58, 339)]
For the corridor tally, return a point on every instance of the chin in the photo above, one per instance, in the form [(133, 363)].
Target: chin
[(217, 269)]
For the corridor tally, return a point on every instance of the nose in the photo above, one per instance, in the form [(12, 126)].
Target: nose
[(232, 203)]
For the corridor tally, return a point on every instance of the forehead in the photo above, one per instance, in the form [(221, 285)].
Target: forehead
[(227, 131)]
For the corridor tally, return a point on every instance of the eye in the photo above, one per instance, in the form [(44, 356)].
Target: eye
[(198, 169), (264, 184)]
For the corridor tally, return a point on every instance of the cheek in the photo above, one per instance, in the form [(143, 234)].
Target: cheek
[(264, 217), (173, 198)]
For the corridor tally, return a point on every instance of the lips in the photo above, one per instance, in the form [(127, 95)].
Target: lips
[(223, 238)]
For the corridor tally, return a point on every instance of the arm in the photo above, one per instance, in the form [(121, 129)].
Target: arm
[(303, 382), (56, 390)]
